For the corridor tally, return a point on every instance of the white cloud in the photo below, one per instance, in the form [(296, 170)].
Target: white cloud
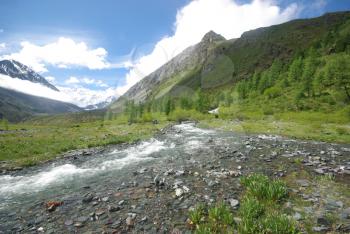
[(28, 87), (77, 95), (72, 80), (2, 46), (63, 53), (225, 17), (83, 96), (85, 80)]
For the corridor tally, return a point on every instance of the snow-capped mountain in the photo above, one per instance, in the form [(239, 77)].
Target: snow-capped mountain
[(101, 105), (18, 70), (24, 93)]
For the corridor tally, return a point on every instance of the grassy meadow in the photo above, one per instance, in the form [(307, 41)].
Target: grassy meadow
[(44, 138)]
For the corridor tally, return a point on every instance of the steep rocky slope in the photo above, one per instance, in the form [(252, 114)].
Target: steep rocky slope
[(216, 63)]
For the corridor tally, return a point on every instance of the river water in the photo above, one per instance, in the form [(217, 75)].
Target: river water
[(23, 193)]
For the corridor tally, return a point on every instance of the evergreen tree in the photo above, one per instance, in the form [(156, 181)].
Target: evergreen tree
[(168, 106), (338, 73), (295, 70), (5, 124)]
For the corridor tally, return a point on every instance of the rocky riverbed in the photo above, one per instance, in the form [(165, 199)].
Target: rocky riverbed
[(150, 186)]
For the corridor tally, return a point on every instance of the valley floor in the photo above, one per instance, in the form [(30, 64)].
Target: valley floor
[(151, 186), (40, 140)]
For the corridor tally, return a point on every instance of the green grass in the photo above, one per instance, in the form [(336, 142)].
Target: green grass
[(260, 211), (262, 188), (32, 142), (328, 127)]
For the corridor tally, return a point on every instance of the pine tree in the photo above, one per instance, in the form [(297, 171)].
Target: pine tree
[(338, 73), (295, 70)]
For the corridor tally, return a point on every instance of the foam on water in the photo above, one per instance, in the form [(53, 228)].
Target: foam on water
[(69, 172), (25, 184), (190, 128), (134, 154)]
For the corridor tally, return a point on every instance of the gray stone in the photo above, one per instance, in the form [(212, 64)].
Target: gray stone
[(130, 220), (320, 229), (332, 204), (88, 198), (68, 222), (234, 203), (78, 224), (82, 219), (297, 216), (319, 171), (303, 183), (323, 221), (345, 214), (114, 208)]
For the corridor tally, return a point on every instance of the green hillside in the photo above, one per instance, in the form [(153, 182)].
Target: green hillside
[(265, 58)]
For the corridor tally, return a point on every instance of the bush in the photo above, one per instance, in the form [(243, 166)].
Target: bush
[(259, 211), (260, 187), (251, 208), (272, 92), (278, 224), (217, 219)]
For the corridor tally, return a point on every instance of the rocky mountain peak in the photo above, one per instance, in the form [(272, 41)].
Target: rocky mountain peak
[(211, 37)]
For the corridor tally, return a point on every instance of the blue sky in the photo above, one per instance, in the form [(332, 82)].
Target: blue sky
[(116, 35)]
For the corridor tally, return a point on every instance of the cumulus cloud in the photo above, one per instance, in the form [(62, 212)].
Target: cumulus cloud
[(226, 17), (83, 96), (63, 53), (85, 80), (72, 80), (28, 87), (79, 96)]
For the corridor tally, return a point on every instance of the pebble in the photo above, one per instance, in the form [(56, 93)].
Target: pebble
[(68, 222), (88, 198), (105, 199), (82, 219), (130, 220), (234, 203), (303, 183), (297, 216), (78, 225), (319, 170), (179, 192), (320, 229), (114, 208)]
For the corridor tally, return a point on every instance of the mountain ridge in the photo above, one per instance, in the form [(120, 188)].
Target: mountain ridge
[(229, 61), (15, 69)]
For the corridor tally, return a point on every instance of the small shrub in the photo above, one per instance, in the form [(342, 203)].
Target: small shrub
[(278, 224), (262, 188), (251, 208), (220, 217), (272, 92), (217, 219), (197, 214)]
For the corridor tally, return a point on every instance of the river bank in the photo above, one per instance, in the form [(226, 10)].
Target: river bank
[(151, 186)]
